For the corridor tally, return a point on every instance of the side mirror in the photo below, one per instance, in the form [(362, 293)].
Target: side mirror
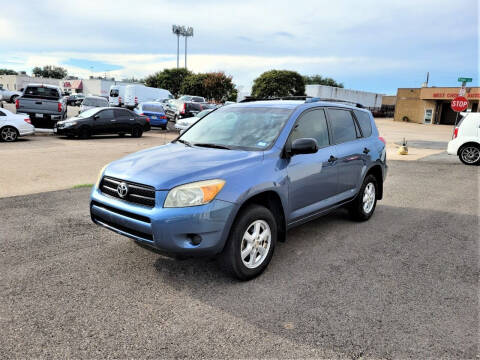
[(96, 117), (303, 146)]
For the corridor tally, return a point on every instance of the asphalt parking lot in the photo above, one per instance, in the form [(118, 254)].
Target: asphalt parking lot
[(403, 285)]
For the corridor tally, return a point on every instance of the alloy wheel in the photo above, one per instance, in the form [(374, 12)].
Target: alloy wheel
[(9, 134), (368, 198), (255, 244), (470, 154)]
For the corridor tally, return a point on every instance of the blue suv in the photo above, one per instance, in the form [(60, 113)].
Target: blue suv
[(239, 178)]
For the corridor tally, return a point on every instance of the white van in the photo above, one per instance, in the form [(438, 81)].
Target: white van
[(135, 94), (116, 96), (91, 102)]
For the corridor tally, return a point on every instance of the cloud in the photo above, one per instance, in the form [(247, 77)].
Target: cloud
[(368, 44)]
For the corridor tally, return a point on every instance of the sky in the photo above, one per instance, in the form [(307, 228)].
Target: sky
[(368, 45)]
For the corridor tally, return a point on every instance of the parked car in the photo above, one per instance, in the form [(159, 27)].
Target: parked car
[(91, 102), (117, 95), (75, 99), (184, 124), (180, 109), (234, 183), (136, 94), (185, 98), (466, 139), (9, 95), (154, 111), (98, 121), (14, 125), (42, 101)]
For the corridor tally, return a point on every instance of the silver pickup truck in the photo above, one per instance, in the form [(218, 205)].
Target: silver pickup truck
[(42, 101)]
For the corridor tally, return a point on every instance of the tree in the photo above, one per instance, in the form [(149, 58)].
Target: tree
[(169, 79), (193, 85), (278, 83), (7, 72), (319, 80), (50, 71), (219, 87)]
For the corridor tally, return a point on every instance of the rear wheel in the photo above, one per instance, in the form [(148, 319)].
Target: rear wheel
[(252, 241), (362, 208), (137, 132), (9, 134), (470, 154)]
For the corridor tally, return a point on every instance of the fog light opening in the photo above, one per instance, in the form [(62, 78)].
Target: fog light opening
[(195, 239)]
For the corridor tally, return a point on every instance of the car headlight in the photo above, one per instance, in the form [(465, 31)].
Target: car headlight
[(100, 175), (69, 123), (193, 194)]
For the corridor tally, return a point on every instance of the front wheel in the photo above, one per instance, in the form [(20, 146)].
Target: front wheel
[(470, 155), (251, 243), (9, 134), (362, 208)]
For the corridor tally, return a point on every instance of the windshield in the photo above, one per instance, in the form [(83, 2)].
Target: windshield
[(249, 128), (152, 108), (203, 113), (88, 113)]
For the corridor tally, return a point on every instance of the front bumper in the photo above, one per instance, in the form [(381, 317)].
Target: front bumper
[(170, 230), (65, 131)]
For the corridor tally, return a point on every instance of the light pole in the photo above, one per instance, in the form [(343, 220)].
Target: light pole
[(182, 31)]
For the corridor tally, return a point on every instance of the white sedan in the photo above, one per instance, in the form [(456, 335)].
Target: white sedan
[(14, 125), (185, 123)]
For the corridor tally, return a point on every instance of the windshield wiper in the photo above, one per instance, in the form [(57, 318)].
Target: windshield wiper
[(215, 146), (185, 142)]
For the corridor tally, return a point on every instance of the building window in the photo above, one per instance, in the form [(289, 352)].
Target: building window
[(428, 116)]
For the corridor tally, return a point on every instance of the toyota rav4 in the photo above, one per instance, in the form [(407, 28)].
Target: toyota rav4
[(239, 178)]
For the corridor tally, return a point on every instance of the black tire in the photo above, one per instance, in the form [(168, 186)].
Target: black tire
[(356, 207), (137, 131), (84, 133), (467, 152), (163, 127), (230, 259), (9, 134)]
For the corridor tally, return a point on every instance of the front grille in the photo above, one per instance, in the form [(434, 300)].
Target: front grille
[(137, 193)]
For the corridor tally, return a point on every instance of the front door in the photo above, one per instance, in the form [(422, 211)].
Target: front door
[(102, 123), (312, 177)]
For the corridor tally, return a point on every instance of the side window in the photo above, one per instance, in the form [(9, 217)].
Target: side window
[(2, 113), (118, 113), (343, 126), (313, 124), (364, 121), (106, 114)]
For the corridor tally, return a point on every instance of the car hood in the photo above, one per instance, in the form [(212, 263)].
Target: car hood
[(167, 166)]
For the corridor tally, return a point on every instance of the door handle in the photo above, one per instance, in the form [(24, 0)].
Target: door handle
[(113, 120), (366, 151), (332, 159)]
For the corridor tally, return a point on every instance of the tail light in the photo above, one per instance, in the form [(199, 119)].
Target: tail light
[(27, 120), (455, 133), (142, 114), (163, 117), (184, 108), (17, 104), (136, 100), (148, 119), (382, 140), (59, 107)]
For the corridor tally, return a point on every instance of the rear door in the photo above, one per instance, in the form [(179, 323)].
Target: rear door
[(124, 120), (312, 177), (348, 147)]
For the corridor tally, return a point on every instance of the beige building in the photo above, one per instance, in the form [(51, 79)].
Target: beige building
[(18, 82), (431, 105)]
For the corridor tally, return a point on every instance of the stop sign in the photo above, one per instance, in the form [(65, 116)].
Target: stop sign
[(459, 104)]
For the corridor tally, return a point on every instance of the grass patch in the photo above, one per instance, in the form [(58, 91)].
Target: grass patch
[(80, 186)]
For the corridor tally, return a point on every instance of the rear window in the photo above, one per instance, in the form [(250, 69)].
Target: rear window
[(198, 99), (364, 121), (114, 92), (153, 108), (194, 107), (343, 127), (41, 92)]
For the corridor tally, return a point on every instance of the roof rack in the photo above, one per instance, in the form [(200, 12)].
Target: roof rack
[(308, 99)]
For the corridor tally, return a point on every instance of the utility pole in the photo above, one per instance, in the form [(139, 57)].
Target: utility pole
[(187, 33)]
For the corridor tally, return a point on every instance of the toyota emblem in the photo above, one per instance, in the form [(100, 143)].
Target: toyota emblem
[(122, 189)]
